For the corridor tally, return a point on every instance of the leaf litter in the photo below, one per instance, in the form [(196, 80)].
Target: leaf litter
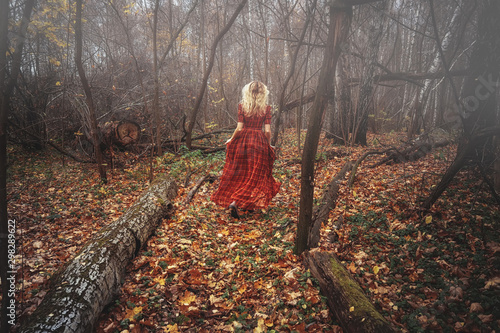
[(205, 271)]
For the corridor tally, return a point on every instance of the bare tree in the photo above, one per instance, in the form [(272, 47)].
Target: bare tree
[(340, 20), (291, 70), (94, 131), (201, 93), (478, 100), (365, 95)]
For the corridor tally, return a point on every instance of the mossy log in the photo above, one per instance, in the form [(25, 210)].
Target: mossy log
[(345, 297), (80, 290)]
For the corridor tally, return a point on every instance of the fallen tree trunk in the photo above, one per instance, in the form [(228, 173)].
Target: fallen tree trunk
[(328, 202), (411, 152), (121, 133), (344, 296), (81, 289)]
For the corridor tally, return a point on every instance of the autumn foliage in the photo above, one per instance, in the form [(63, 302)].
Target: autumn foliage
[(431, 270)]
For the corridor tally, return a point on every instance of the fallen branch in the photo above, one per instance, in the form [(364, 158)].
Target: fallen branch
[(345, 298), (411, 152), (325, 156), (53, 145), (328, 202), (361, 159), (81, 289), (197, 186)]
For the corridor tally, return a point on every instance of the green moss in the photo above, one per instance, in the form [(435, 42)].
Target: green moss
[(358, 302)]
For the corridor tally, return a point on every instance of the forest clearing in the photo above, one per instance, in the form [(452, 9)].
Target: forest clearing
[(202, 270)]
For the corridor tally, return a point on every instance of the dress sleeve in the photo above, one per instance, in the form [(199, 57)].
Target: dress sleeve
[(268, 115), (241, 115)]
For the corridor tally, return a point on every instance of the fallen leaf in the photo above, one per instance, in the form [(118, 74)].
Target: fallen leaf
[(188, 298), (492, 283)]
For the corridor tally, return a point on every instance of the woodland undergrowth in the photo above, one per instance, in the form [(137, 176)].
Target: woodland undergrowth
[(202, 270)]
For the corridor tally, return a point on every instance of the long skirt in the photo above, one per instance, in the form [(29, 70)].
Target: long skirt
[(247, 176)]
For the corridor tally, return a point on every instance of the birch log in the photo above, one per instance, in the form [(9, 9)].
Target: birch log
[(80, 290)]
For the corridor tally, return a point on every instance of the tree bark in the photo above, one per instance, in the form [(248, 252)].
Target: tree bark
[(345, 297), (340, 20), (81, 289)]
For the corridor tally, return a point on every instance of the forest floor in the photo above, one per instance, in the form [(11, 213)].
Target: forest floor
[(205, 271)]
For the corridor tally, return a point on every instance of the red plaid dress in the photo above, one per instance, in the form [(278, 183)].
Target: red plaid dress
[(247, 176)]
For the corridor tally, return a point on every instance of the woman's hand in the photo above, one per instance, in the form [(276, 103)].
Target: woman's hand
[(229, 140)]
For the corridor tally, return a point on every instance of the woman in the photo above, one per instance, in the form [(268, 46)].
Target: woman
[(247, 180)]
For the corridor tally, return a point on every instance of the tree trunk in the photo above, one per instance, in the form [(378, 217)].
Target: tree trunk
[(81, 289), (201, 93), (7, 85), (341, 125), (156, 95), (88, 93), (345, 297), (340, 20), (365, 103), (496, 166)]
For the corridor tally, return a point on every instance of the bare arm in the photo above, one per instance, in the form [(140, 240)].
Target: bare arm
[(267, 132), (238, 129)]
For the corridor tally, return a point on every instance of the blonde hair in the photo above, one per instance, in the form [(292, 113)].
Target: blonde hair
[(254, 98)]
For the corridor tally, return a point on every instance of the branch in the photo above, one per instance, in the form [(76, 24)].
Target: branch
[(405, 76), (53, 145)]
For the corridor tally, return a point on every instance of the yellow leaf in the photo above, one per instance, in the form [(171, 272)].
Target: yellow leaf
[(58, 83), (237, 259), (376, 269), (160, 281), (428, 219), (351, 309), (171, 328), (133, 312), (261, 326), (242, 289), (188, 298)]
